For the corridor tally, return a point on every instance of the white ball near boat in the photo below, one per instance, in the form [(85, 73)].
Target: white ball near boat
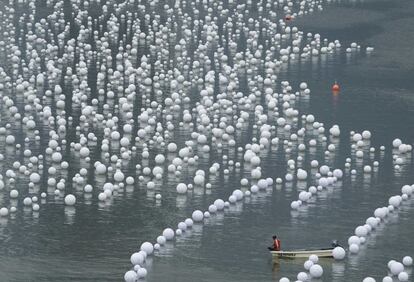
[(316, 271), (338, 253)]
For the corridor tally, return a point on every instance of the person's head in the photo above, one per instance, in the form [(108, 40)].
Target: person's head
[(274, 237)]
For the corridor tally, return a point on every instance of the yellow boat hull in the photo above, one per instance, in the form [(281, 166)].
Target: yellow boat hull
[(302, 254)]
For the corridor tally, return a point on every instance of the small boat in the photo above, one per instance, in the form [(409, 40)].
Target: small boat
[(321, 253)]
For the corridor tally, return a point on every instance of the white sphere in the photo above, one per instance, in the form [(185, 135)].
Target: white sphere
[(304, 196), (238, 194), (219, 203), (84, 152), (262, 184), (284, 279), (323, 181), (338, 173), (295, 205), (407, 261), (119, 176), (380, 212), (316, 271), (168, 233), (396, 268), (338, 253), (302, 174), (302, 276), (188, 222), (372, 221), (354, 248), (34, 177), (197, 216), (159, 159), (181, 188), (361, 231), (88, 188), (147, 247), (314, 258), (367, 169), (407, 189), (403, 276), (100, 169), (27, 201), (387, 279), (162, 239), (324, 169), (354, 240), (182, 226), (254, 189), (14, 193), (137, 258), (390, 262), (307, 265), (70, 200), (368, 279), (212, 208), (130, 276), (142, 272), (102, 196), (396, 143), (4, 211)]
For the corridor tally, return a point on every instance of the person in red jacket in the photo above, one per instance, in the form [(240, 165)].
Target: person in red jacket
[(276, 244)]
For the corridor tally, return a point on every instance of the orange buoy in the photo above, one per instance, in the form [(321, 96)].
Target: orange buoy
[(335, 87)]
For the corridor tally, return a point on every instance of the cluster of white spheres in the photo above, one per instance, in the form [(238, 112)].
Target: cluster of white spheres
[(396, 267), (152, 133)]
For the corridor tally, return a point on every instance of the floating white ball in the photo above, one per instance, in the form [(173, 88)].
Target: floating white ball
[(338, 253), (396, 268), (316, 271), (147, 247), (197, 216), (168, 233), (407, 261), (70, 200), (137, 258), (403, 276), (354, 248), (130, 276)]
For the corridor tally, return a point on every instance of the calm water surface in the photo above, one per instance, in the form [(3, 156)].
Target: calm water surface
[(93, 242)]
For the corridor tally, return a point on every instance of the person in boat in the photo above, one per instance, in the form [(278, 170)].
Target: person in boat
[(276, 244)]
